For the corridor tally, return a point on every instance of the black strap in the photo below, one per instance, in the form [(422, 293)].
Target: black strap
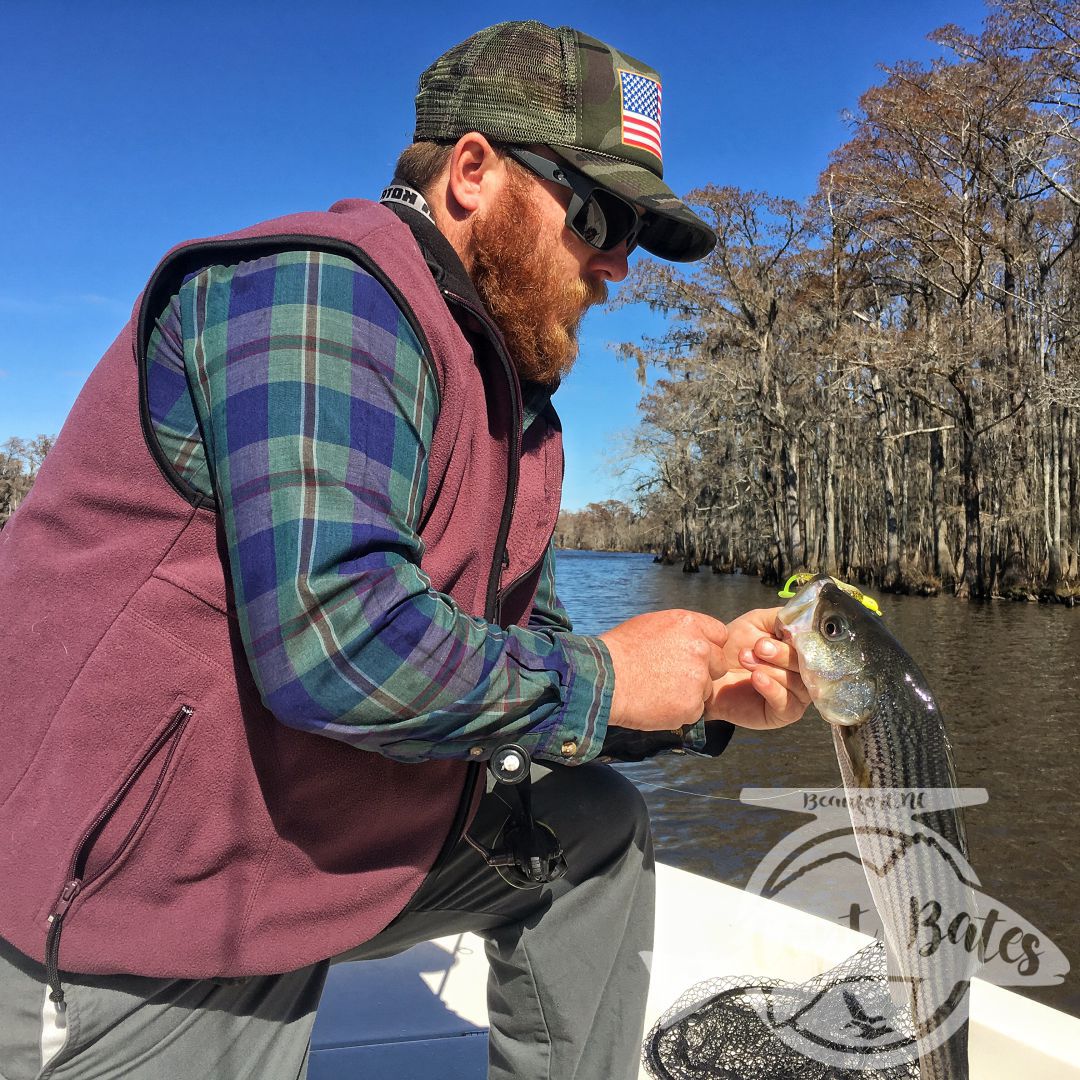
[(529, 854)]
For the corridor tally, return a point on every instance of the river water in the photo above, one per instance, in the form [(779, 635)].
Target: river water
[(1007, 679)]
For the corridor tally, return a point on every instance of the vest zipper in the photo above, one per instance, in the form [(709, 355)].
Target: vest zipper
[(506, 590), (515, 449), (491, 601), (75, 881)]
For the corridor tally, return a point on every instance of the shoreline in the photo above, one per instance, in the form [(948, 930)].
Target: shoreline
[(1063, 595)]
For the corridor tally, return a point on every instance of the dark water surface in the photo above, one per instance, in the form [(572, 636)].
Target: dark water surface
[(1007, 678)]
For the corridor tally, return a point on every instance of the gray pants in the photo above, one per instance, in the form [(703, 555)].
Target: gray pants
[(566, 992)]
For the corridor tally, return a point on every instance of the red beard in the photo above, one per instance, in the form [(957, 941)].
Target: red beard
[(513, 264)]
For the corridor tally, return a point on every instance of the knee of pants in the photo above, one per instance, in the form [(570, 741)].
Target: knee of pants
[(595, 808)]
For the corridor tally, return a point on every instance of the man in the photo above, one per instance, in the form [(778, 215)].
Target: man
[(285, 584)]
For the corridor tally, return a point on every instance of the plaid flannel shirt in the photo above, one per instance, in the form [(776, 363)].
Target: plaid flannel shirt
[(292, 391)]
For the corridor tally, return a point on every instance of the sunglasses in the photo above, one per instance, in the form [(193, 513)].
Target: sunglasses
[(600, 217)]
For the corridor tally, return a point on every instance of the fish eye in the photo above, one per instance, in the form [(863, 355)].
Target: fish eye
[(833, 627)]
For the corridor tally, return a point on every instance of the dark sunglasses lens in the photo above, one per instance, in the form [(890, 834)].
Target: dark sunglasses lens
[(605, 220)]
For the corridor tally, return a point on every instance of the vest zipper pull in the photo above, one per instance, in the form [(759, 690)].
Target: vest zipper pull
[(71, 890), (52, 941)]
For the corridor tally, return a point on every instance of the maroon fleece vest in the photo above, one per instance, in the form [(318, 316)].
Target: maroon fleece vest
[(147, 797)]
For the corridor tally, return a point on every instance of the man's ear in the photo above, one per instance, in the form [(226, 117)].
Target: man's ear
[(476, 173)]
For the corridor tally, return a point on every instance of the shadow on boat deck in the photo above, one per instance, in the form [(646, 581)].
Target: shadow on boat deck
[(387, 1018)]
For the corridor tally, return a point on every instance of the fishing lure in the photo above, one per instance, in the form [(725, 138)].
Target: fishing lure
[(801, 579)]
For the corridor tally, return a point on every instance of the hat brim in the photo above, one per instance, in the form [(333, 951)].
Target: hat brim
[(672, 230)]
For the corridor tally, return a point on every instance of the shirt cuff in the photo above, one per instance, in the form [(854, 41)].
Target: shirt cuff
[(704, 739), (707, 738), (577, 734)]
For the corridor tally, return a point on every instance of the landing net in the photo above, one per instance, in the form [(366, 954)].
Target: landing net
[(831, 1027)]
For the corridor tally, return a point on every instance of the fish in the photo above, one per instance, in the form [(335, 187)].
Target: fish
[(896, 762)]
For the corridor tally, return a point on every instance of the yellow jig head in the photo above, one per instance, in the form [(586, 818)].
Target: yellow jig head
[(801, 579)]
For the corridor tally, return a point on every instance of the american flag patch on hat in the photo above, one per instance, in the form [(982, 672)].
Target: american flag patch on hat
[(641, 111)]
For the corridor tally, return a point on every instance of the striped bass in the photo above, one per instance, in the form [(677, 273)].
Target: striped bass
[(896, 764)]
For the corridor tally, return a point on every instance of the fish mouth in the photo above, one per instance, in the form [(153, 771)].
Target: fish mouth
[(794, 617), (795, 626)]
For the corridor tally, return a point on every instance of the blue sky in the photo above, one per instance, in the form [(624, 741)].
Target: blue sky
[(128, 126)]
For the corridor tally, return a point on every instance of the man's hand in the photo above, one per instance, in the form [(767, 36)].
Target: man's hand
[(667, 666), (674, 668), (762, 687)]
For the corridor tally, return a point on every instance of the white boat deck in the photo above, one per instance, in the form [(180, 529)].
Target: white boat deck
[(422, 1016)]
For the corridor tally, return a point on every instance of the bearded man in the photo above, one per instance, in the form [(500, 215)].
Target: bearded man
[(286, 583)]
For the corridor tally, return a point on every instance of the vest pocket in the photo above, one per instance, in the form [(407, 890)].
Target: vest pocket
[(81, 872)]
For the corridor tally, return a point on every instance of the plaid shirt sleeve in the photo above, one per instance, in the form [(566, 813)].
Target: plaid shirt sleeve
[(295, 391), (548, 614)]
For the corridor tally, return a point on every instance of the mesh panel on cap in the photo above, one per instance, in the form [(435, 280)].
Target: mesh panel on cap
[(512, 82)]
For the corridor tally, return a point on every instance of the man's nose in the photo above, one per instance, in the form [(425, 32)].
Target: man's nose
[(610, 265)]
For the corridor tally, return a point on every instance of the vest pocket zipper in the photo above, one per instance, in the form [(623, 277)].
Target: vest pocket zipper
[(508, 589), (76, 868)]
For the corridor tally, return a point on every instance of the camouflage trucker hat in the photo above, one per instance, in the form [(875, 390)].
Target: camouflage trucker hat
[(597, 108)]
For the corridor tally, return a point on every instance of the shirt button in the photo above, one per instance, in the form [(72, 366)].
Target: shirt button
[(476, 751), (569, 748)]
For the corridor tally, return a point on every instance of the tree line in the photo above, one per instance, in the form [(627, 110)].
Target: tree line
[(611, 525), (882, 381), (20, 460)]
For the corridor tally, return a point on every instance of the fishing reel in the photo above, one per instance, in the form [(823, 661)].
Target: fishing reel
[(526, 852)]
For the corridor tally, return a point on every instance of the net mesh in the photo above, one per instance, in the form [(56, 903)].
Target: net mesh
[(744, 1028)]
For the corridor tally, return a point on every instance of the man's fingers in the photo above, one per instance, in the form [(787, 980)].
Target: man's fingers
[(782, 690), (712, 629), (732, 693), (768, 650), (718, 665)]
